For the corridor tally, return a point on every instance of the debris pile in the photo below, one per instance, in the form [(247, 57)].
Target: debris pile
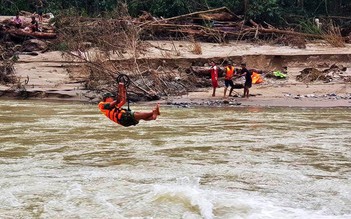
[(331, 74), (218, 25)]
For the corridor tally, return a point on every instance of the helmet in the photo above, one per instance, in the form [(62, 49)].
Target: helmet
[(108, 94)]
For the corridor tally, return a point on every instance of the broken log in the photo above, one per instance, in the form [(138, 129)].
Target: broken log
[(202, 71), (224, 16), (40, 35), (198, 29), (191, 14), (253, 23), (193, 29)]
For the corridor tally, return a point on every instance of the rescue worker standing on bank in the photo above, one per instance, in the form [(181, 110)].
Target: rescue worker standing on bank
[(214, 77), (228, 78), (248, 80)]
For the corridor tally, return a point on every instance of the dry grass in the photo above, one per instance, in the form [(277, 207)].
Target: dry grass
[(7, 73), (292, 41), (7, 60), (333, 36), (196, 46), (196, 49), (79, 37)]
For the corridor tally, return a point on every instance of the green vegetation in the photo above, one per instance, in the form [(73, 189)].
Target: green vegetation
[(273, 11)]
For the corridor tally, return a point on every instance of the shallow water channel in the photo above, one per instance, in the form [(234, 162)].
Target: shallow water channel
[(63, 160)]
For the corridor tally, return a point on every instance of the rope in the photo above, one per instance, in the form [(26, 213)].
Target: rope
[(126, 81)]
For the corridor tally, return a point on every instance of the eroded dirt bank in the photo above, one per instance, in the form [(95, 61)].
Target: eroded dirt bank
[(51, 76)]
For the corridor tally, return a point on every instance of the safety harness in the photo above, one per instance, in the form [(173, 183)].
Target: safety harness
[(125, 117), (126, 81)]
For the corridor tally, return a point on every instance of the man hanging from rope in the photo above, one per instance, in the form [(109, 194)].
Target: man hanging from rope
[(113, 108)]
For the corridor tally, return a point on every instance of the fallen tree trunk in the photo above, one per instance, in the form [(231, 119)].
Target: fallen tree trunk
[(201, 30), (22, 33), (202, 71), (190, 14)]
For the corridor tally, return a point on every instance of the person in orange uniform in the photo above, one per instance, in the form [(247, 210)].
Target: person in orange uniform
[(214, 77), (113, 110), (228, 79)]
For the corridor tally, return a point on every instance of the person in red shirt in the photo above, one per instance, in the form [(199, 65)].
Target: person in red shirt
[(214, 77)]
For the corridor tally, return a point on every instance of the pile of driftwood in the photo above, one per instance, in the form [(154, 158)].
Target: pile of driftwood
[(214, 25)]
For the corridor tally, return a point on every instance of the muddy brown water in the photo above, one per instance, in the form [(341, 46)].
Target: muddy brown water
[(63, 160)]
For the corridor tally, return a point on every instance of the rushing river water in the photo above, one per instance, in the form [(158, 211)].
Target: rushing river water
[(62, 160)]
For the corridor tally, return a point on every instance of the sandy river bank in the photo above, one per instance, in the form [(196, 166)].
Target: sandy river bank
[(49, 78)]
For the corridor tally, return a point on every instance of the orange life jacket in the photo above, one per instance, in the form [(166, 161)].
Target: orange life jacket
[(229, 73), (114, 114)]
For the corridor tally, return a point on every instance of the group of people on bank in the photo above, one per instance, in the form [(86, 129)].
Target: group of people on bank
[(231, 73), (17, 21)]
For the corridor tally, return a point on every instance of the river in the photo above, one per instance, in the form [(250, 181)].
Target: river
[(65, 160)]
